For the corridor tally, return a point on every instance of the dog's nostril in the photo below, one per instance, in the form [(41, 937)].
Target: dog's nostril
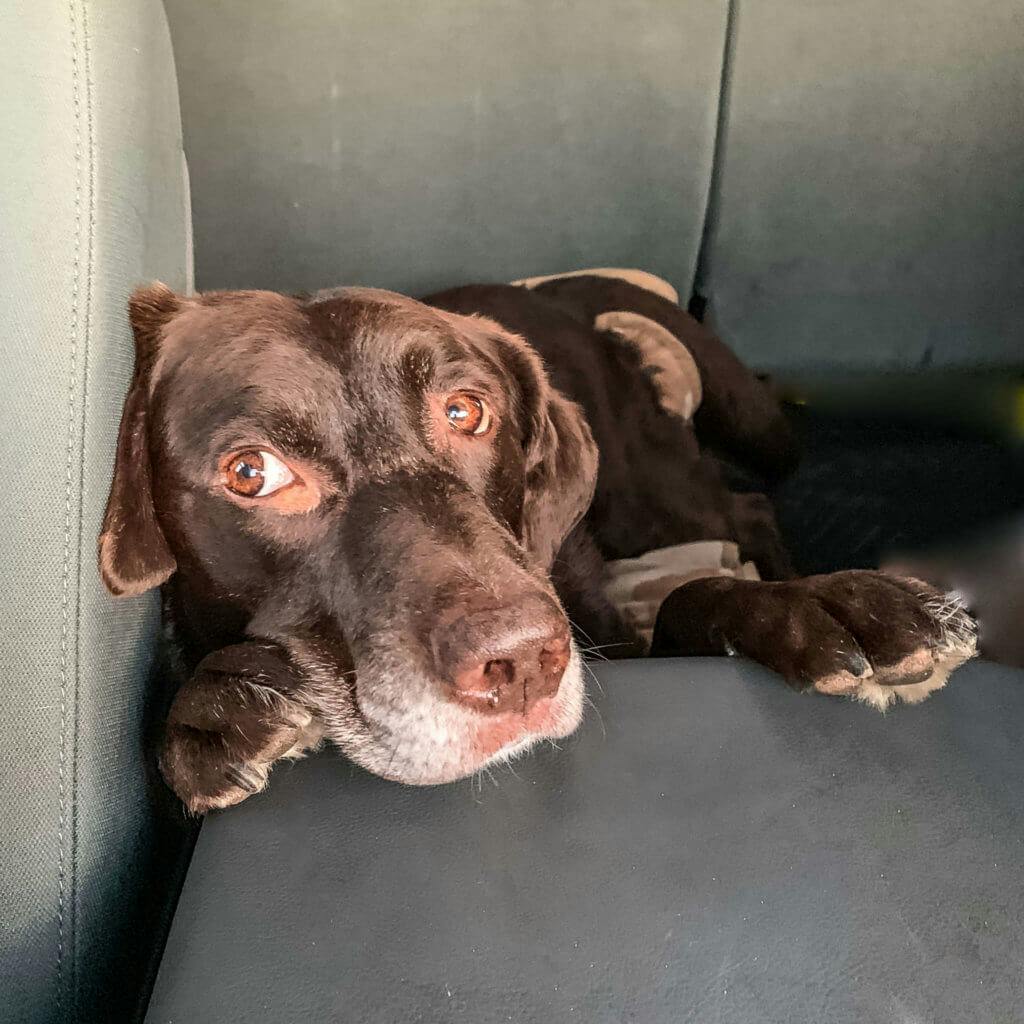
[(554, 657), (485, 684), (499, 672)]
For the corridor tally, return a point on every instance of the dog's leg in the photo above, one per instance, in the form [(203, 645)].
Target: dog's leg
[(641, 278), (757, 532), (230, 722), (860, 634), (739, 415)]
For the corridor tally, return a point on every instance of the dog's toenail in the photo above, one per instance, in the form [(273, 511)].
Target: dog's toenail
[(237, 775), (856, 664)]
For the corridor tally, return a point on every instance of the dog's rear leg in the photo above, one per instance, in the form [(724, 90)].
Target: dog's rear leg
[(758, 536), (739, 416)]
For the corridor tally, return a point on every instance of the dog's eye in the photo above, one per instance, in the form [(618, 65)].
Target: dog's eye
[(467, 414), (256, 474)]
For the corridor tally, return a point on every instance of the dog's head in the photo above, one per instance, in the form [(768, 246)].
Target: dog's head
[(375, 485)]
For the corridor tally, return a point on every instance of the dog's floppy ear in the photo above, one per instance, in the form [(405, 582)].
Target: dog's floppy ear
[(561, 457), (560, 483), (133, 552)]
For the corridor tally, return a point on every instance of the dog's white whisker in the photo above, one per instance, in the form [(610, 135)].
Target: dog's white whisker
[(600, 717)]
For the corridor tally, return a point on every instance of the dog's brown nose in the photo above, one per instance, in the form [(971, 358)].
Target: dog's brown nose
[(503, 659)]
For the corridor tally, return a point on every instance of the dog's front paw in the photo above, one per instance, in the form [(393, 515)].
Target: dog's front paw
[(227, 727), (860, 634), (901, 638)]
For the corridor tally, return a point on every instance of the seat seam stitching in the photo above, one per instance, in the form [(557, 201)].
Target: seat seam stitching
[(64, 924), (83, 372)]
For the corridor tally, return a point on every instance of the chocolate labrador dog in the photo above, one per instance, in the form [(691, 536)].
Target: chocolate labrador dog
[(377, 520)]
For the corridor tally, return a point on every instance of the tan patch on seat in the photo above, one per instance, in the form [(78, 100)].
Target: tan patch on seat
[(641, 278), (675, 374)]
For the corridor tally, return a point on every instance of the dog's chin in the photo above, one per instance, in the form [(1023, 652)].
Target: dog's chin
[(438, 742)]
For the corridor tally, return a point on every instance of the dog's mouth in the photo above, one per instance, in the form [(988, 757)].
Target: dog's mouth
[(425, 739)]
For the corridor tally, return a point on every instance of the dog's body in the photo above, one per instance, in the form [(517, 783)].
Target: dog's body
[(369, 513), (658, 485)]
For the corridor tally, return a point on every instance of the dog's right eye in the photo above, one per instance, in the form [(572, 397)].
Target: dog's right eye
[(256, 474), (467, 414)]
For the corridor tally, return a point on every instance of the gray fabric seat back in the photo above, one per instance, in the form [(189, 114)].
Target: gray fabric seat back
[(415, 146), (867, 203), (93, 201), (871, 205)]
